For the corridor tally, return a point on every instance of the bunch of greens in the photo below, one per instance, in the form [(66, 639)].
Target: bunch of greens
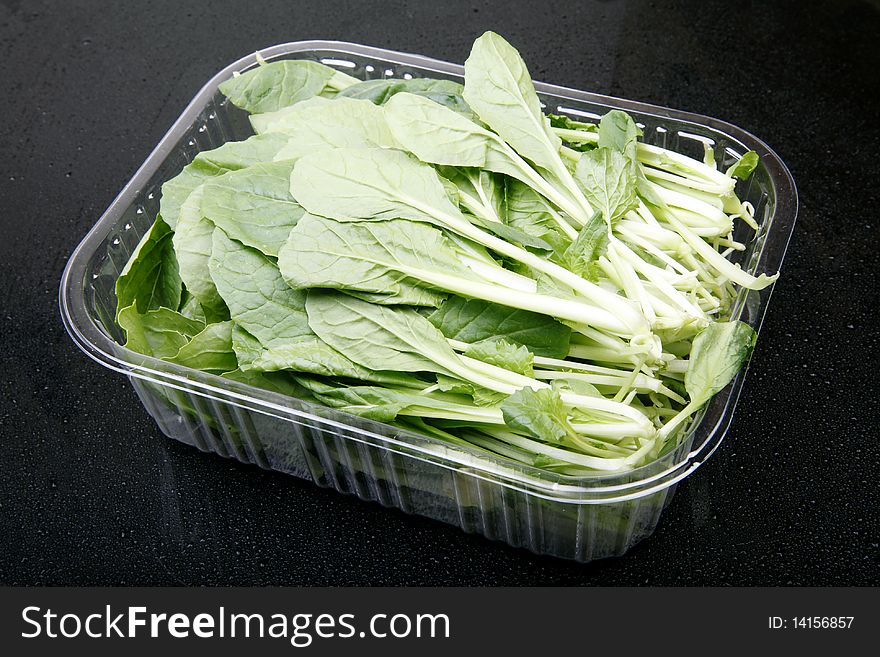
[(450, 259)]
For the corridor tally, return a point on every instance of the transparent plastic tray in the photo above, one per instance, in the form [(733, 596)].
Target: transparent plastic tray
[(581, 518)]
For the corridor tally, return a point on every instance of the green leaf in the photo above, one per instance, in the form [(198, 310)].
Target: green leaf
[(450, 384), (234, 155), (608, 181), (259, 300), (381, 258), (436, 134), (475, 320), (499, 89), (744, 167), (247, 348), (272, 331), (619, 132), (253, 205), (643, 186), (150, 279), (280, 382), (379, 184), (315, 356), (529, 212), (526, 208), (304, 353), (479, 395), (444, 92), (379, 337), (484, 187), (319, 124), (552, 287), (512, 234), (191, 308), (567, 123), (353, 184), (378, 404), (592, 242), (192, 242), (719, 351), (356, 256), (385, 404), (231, 156), (209, 350), (482, 193), (160, 333), (540, 414), (576, 386), (677, 387), (502, 353), (270, 87)]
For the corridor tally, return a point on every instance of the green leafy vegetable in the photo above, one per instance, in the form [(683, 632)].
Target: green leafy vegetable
[(717, 354), (231, 156), (253, 205), (567, 123), (192, 309), (386, 259), (272, 328), (504, 354), (583, 254), (375, 336), (160, 333), (619, 132), (538, 413), (744, 167), (320, 124), (444, 92), (450, 260), (280, 382), (531, 213), (259, 300), (209, 350), (608, 182), (356, 184), (386, 404), (150, 280), (270, 87), (499, 89), (438, 135), (192, 242), (477, 320)]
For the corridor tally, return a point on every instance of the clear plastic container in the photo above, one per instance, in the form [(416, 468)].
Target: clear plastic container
[(580, 518)]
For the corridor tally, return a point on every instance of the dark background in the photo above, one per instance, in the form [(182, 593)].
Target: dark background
[(91, 493)]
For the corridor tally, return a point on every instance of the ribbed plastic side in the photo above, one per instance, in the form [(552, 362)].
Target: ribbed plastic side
[(582, 532)]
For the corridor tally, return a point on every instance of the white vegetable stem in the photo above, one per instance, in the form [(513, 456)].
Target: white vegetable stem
[(571, 202), (717, 261), (659, 158), (500, 275), (575, 311), (508, 382), (627, 321)]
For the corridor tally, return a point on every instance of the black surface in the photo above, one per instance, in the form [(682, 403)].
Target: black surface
[(91, 493)]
